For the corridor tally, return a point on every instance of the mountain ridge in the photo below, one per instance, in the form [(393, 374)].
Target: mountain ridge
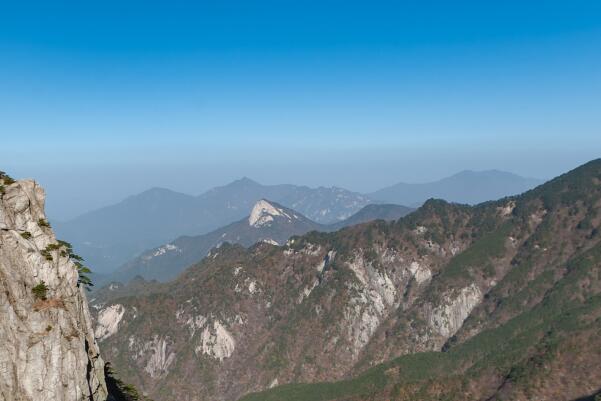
[(327, 306), (269, 221), (467, 186), (114, 234)]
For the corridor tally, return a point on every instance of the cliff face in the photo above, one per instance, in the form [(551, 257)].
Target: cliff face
[(47, 346)]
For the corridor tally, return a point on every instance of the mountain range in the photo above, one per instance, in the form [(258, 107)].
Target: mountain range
[(468, 186), (268, 222), (496, 301), (110, 236), (113, 235)]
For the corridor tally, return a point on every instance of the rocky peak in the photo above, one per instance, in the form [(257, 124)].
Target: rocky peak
[(264, 213), (48, 348)]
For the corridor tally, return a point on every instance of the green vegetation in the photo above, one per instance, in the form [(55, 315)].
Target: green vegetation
[(40, 291), (43, 223), (119, 390), (26, 235), (6, 179), (66, 250), (46, 254), (83, 271), (518, 350)]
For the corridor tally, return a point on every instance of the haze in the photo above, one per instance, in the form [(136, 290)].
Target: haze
[(108, 100)]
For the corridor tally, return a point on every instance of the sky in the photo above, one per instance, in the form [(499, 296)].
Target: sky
[(101, 100)]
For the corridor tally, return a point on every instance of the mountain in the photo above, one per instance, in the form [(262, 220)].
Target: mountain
[(48, 349), (387, 212), (111, 236), (469, 187), (495, 301), (268, 222)]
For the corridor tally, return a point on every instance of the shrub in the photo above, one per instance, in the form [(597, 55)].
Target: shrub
[(43, 223), (66, 250), (52, 247), (120, 390), (40, 291), (2, 189), (83, 275), (6, 178), (26, 234), (46, 254)]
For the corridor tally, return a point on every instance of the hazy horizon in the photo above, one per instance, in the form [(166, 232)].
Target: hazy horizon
[(75, 202), (101, 101)]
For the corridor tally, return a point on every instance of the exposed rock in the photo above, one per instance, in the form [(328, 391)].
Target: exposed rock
[(47, 346), (216, 342), (108, 321), (161, 356), (420, 273), (449, 316), (264, 212)]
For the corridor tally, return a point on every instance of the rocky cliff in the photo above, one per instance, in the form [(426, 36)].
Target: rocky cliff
[(47, 346)]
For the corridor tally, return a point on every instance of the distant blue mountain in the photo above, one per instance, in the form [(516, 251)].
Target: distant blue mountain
[(112, 235), (468, 186)]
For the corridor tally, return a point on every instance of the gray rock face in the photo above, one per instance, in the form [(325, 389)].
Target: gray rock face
[(47, 346)]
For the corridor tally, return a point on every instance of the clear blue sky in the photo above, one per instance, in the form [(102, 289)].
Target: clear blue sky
[(102, 99)]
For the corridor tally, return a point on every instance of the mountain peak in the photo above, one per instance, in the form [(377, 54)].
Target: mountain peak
[(264, 212)]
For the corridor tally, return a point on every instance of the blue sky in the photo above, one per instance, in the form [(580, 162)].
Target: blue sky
[(187, 95)]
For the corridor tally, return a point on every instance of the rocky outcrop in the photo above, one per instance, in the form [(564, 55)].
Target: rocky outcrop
[(47, 346), (448, 317)]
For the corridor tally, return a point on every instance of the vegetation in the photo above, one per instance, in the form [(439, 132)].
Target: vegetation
[(43, 223), (548, 302), (6, 179), (541, 294), (46, 254), (83, 271), (66, 250), (26, 234), (40, 291), (119, 390), (516, 350)]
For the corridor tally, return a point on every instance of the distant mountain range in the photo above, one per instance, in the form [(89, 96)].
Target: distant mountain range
[(471, 187), (267, 222), (111, 236)]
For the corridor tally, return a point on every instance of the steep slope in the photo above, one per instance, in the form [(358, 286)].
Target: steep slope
[(536, 332), (469, 187), (327, 306), (111, 236), (268, 221), (47, 345), (549, 352)]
